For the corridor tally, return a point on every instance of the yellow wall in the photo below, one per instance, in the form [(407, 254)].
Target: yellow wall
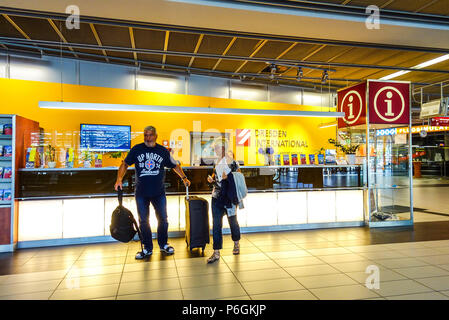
[(21, 97)]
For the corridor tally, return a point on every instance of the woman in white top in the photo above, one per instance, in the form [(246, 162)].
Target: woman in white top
[(223, 166)]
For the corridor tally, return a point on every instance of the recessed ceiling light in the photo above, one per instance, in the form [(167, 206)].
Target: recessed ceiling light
[(419, 66)]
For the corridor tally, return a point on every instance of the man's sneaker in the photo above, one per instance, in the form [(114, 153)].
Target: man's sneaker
[(168, 249), (143, 254)]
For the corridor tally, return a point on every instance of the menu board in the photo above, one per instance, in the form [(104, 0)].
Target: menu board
[(98, 137)]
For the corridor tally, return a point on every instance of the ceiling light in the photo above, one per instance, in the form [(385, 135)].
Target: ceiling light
[(299, 74), (272, 71), (419, 66), (324, 77)]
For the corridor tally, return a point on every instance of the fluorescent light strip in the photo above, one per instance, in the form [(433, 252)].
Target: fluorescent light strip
[(419, 66), (171, 109)]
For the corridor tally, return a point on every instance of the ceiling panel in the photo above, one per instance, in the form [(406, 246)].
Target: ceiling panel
[(149, 39), (82, 35), (116, 37), (243, 47), (214, 44), (39, 29), (272, 49), (204, 63), (183, 42), (7, 29), (299, 51)]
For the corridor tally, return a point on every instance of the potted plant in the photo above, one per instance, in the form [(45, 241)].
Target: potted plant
[(349, 150), (50, 153), (87, 158)]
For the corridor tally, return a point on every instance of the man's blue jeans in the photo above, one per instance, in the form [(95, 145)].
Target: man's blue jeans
[(160, 207), (218, 211)]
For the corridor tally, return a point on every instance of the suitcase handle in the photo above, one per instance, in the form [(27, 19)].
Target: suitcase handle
[(120, 195), (187, 192)]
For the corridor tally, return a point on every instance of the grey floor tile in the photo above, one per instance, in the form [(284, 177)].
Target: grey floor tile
[(400, 262), (286, 295), (29, 296), (325, 280), (384, 275), (400, 287), (252, 265), (268, 286), (278, 248), (420, 296), (328, 251), (436, 283), (175, 294), (31, 277), (85, 293), (216, 267), (347, 257), (236, 298), (297, 262), (149, 265), (288, 254), (382, 255), (90, 281), (437, 260), (421, 252), (214, 292), (314, 270), (146, 275), (422, 272), (95, 270), (207, 280), (246, 257), (28, 287), (353, 266), (148, 286), (257, 275), (348, 292)]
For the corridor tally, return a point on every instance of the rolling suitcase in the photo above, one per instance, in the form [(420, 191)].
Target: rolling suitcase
[(197, 222)]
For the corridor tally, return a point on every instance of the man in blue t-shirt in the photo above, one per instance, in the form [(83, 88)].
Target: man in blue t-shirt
[(150, 159)]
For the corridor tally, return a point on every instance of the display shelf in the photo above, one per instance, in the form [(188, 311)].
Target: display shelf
[(5, 158), (5, 202), (5, 180), (5, 136)]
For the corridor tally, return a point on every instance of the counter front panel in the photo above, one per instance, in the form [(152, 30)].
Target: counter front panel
[(99, 182), (56, 204)]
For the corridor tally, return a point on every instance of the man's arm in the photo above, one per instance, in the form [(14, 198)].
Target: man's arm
[(181, 173), (120, 174)]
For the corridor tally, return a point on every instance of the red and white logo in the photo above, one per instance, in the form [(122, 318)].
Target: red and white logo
[(389, 102), (243, 137), (351, 101)]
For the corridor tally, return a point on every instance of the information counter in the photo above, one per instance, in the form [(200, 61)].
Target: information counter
[(74, 205)]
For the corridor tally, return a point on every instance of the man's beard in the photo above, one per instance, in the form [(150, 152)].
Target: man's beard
[(150, 144)]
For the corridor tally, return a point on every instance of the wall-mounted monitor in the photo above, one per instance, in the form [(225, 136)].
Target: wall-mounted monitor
[(100, 137)]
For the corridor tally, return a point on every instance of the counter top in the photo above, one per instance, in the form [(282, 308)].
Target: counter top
[(199, 167)]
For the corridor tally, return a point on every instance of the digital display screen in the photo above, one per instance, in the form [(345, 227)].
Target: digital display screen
[(99, 137)]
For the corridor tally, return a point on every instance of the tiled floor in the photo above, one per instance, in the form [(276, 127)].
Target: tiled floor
[(413, 263)]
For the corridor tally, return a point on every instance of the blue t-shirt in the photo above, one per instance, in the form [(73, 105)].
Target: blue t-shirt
[(150, 163)]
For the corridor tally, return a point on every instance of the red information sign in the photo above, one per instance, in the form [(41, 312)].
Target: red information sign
[(352, 101), (389, 102), (439, 121)]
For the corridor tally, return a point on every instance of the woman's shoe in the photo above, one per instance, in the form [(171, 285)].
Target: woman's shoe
[(236, 249), (214, 257)]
